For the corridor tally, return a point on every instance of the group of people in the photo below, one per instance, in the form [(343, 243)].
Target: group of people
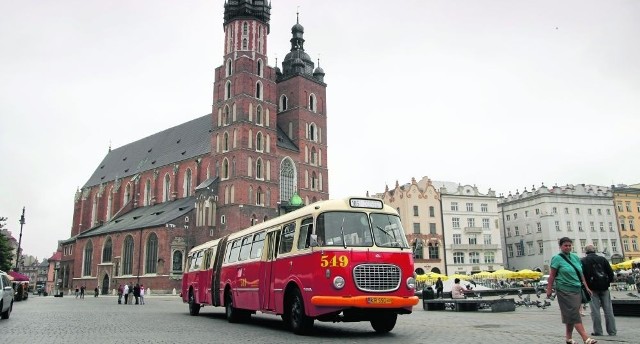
[(131, 292), (576, 281)]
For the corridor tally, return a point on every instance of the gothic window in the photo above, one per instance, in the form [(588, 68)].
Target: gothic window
[(106, 251), (187, 183), (259, 71), (259, 147), (313, 132), (314, 181), (147, 192), (151, 257), (225, 142), (226, 116), (88, 254), (312, 103), (127, 194), (94, 211), (245, 28), (127, 256), (283, 103), (176, 266), (259, 169), (227, 90), (287, 179), (259, 120), (109, 205), (250, 194), (259, 90), (229, 68), (245, 44), (314, 156), (167, 187), (225, 169), (259, 197)]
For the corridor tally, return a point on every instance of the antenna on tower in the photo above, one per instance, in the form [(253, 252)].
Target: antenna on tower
[(298, 15)]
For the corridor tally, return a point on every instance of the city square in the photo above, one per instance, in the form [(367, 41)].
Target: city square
[(165, 319)]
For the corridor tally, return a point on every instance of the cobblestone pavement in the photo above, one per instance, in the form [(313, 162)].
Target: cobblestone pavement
[(164, 319)]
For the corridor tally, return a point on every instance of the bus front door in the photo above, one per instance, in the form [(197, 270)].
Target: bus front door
[(267, 299)]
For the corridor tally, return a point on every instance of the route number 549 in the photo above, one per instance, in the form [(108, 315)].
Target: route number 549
[(334, 261)]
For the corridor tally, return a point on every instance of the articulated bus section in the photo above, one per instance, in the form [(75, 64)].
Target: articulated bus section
[(338, 260)]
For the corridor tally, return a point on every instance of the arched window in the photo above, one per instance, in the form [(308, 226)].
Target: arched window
[(245, 44), (88, 254), (94, 211), (259, 119), (187, 183), (151, 256), (226, 117), (259, 197), (245, 28), (106, 251), (225, 142), (287, 179), (167, 187), (127, 194), (259, 71), (283, 103), (225, 169), (109, 205), (127, 256), (314, 156), (147, 192), (250, 200), (176, 266), (259, 169), (314, 181), (259, 146), (312, 102), (227, 90), (229, 68), (313, 132), (259, 90)]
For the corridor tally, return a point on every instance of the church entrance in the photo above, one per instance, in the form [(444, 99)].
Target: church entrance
[(105, 285)]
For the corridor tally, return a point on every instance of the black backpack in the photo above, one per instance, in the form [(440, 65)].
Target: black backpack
[(598, 279)]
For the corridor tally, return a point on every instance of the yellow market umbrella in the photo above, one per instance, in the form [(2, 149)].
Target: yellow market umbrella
[(625, 265), (526, 273), (482, 275), (502, 273), (430, 277), (460, 276)]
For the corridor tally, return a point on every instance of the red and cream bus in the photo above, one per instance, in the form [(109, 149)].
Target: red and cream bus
[(337, 260)]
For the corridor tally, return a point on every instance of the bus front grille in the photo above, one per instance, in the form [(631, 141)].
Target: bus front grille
[(377, 277)]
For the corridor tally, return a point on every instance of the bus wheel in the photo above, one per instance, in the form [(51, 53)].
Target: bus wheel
[(194, 308), (233, 314), (296, 318), (384, 324)]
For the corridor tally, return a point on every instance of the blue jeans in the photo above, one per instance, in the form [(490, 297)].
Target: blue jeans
[(602, 298)]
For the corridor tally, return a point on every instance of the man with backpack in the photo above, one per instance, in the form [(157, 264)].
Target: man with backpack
[(599, 275)]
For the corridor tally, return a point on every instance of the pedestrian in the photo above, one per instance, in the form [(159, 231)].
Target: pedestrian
[(567, 277), (457, 291), (125, 291), (82, 291), (77, 292), (599, 275), (95, 292), (130, 293), (136, 293), (142, 294), (439, 288), (120, 291)]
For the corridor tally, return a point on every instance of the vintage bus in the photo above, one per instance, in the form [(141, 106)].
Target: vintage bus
[(337, 260)]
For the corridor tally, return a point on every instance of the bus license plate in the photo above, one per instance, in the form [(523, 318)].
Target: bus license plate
[(379, 300)]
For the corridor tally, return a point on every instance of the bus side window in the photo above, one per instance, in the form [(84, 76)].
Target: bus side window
[(320, 230), (306, 227), (245, 248), (234, 251), (286, 239), (207, 259), (198, 262), (257, 245)]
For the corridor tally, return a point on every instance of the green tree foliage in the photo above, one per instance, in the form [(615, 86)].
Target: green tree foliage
[(6, 252)]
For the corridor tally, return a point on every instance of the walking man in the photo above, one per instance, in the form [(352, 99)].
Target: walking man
[(439, 288), (599, 275)]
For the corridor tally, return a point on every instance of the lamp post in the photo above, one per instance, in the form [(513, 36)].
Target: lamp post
[(19, 240)]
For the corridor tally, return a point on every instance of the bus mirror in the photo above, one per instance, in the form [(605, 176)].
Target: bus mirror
[(313, 241)]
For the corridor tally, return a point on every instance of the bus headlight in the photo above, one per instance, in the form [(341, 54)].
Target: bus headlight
[(411, 283), (338, 282)]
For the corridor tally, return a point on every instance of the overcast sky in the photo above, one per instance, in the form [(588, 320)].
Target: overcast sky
[(501, 94)]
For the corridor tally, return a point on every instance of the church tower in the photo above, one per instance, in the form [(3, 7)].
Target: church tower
[(268, 140)]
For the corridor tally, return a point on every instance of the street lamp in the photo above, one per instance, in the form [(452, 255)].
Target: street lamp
[(19, 241)]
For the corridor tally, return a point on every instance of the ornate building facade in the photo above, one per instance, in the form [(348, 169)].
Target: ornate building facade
[(627, 208), (150, 201)]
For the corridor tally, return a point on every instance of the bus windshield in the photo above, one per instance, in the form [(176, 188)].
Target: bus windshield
[(388, 231), (343, 228), (352, 229)]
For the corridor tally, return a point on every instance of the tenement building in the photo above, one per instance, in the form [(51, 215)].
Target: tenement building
[(418, 204), (627, 207), (471, 229), (263, 145), (534, 220)]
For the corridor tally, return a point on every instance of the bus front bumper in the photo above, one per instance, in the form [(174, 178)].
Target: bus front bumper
[(365, 301)]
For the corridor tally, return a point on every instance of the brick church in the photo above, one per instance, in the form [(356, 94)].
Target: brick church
[(261, 151)]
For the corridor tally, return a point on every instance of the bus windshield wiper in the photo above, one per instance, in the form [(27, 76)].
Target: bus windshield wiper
[(344, 243)]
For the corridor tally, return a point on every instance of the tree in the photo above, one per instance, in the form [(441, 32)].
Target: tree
[(6, 251)]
